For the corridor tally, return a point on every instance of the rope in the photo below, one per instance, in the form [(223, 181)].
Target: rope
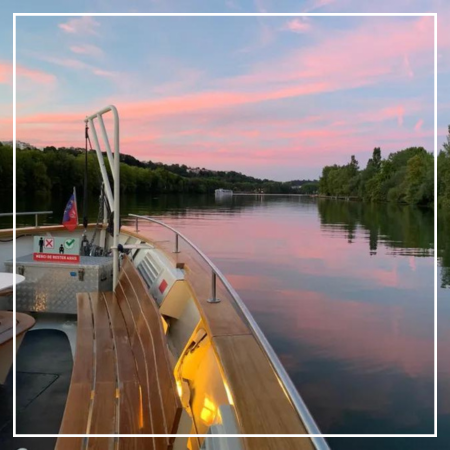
[(103, 202), (100, 215)]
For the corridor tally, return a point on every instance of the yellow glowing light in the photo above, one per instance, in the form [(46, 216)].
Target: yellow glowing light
[(227, 390), (141, 409), (179, 389), (208, 412)]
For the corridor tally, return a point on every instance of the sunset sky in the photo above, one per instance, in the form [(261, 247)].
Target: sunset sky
[(275, 97)]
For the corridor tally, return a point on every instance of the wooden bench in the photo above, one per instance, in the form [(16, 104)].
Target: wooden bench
[(122, 379), (23, 323)]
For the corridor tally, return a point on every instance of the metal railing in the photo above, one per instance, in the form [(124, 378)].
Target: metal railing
[(285, 380), (36, 214), (113, 195)]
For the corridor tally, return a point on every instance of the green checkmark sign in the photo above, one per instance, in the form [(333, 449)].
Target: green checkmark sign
[(69, 243)]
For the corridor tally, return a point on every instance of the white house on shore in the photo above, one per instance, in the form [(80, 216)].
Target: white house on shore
[(223, 192)]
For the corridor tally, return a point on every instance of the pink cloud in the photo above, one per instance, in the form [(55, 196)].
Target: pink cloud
[(5, 73), (72, 63), (373, 53), (407, 66), (82, 25), (34, 75), (87, 49), (214, 100), (103, 73), (396, 111), (418, 125), (317, 4), (298, 25), (153, 124), (213, 130)]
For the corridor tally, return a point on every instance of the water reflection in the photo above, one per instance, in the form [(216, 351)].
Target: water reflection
[(405, 230), (444, 248), (345, 296)]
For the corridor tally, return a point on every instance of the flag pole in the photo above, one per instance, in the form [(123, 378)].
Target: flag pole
[(76, 203)]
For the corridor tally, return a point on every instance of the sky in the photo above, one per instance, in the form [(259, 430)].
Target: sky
[(272, 97)]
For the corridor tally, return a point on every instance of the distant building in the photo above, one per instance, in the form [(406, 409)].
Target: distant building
[(223, 192)]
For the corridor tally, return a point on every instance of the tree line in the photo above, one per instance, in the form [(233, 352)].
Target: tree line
[(58, 170), (406, 176)]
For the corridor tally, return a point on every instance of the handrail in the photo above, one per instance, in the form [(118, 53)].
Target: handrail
[(291, 390), (31, 213)]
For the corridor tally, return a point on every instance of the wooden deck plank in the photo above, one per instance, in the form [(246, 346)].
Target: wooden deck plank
[(130, 400), (140, 361), (69, 443), (260, 404), (76, 412), (104, 404), (142, 443), (100, 443), (164, 371), (159, 423), (278, 443)]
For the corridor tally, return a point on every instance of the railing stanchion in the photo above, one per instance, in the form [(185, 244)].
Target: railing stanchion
[(176, 244), (213, 298), (36, 223), (137, 224)]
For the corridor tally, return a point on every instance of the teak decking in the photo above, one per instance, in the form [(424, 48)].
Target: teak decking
[(122, 380)]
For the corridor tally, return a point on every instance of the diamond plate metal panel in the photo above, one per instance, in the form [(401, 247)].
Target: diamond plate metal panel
[(52, 287)]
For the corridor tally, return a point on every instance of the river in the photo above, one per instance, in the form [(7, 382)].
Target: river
[(343, 291)]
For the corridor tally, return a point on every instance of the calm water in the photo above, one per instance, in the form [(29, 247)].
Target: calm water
[(344, 293)]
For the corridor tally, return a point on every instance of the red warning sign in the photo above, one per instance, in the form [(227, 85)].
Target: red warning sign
[(54, 257)]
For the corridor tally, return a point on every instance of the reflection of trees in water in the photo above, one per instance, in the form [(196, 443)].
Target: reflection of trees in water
[(404, 229), (444, 247)]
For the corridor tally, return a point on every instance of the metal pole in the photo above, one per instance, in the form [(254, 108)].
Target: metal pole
[(106, 142), (213, 298), (176, 244), (101, 163), (137, 225), (116, 172), (36, 220)]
